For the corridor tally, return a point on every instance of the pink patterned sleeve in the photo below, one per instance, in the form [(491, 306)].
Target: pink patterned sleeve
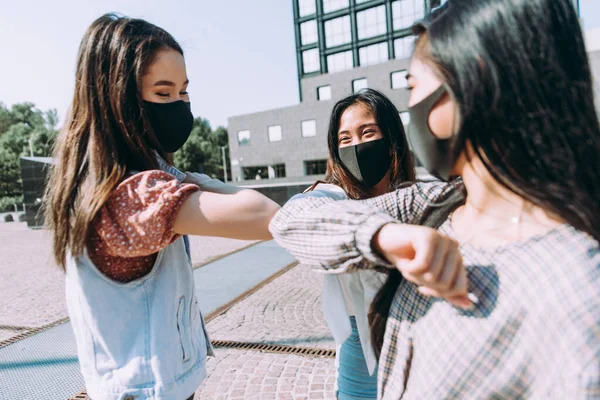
[(138, 218)]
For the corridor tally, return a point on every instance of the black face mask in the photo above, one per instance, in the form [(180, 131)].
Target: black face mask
[(367, 162), (171, 122), (432, 152)]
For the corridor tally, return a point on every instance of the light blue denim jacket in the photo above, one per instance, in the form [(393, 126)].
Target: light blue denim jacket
[(140, 340)]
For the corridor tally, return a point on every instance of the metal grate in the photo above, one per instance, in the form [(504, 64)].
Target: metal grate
[(275, 348), (31, 332), (80, 396)]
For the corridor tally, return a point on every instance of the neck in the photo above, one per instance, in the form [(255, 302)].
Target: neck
[(488, 197), (489, 203), (383, 187)]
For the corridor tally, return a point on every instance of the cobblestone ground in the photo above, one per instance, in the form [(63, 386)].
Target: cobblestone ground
[(32, 286), (252, 375), (286, 311)]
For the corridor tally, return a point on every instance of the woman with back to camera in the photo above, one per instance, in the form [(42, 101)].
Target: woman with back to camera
[(502, 97)]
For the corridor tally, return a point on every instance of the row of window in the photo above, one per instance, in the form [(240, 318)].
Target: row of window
[(311, 167), (400, 8), (370, 23), (397, 81), (308, 129), (367, 55)]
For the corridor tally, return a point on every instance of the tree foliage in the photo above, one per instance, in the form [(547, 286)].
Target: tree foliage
[(24, 129)]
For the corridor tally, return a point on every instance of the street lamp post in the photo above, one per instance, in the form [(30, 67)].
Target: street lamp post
[(224, 163)]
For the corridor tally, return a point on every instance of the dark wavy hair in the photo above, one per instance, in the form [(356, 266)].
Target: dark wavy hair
[(519, 73), (402, 168), (107, 132)]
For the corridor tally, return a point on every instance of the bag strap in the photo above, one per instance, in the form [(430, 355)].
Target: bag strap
[(435, 216)]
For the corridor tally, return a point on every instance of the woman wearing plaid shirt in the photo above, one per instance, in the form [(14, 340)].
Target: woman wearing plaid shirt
[(502, 99)]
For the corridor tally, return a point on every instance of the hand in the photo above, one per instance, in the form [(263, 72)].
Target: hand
[(427, 258), (196, 178)]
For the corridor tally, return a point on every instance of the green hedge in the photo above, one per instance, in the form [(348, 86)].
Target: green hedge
[(7, 204)]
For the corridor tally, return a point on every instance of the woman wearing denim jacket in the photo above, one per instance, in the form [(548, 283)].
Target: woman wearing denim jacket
[(119, 212)]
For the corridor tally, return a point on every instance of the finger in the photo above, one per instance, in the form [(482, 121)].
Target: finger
[(459, 301), (440, 259), (450, 271), (461, 285), (425, 246)]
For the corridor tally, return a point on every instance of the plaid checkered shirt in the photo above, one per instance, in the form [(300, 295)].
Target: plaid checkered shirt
[(535, 332)]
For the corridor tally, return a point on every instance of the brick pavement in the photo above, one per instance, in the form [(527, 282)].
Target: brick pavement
[(32, 286), (285, 311), (250, 375)]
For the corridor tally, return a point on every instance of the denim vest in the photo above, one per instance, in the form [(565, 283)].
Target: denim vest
[(140, 340)]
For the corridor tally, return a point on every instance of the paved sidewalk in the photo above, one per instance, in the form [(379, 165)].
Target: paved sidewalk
[(250, 375), (32, 286), (286, 311)]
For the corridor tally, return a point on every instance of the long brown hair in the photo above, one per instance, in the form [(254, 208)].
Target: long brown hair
[(402, 168), (107, 132), (402, 173)]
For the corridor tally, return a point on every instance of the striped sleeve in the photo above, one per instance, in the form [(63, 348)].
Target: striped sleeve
[(321, 231)]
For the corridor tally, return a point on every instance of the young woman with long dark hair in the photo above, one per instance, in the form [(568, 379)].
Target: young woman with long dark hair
[(502, 97), (368, 157)]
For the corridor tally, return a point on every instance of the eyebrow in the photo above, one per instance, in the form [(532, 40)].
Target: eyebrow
[(363, 126), (408, 76), (169, 83)]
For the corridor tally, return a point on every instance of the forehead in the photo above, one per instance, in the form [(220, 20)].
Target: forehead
[(167, 63), (355, 116)]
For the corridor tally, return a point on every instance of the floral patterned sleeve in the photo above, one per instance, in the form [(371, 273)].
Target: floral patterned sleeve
[(135, 223)]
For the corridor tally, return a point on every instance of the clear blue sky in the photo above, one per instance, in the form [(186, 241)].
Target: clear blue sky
[(239, 53)]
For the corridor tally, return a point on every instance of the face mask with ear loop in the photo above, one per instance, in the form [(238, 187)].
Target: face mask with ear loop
[(435, 154)]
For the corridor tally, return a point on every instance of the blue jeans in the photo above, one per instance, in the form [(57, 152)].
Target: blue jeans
[(354, 381)]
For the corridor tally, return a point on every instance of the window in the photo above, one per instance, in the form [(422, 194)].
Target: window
[(317, 167), (403, 47), (309, 128), (337, 31), (274, 133), (373, 54), (405, 117), (257, 172), (308, 32), (358, 84), (333, 5), (406, 12), (276, 171), (310, 61), (399, 79), (307, 7), (324, 93), (339, 61), (244, 138), (371, 22)]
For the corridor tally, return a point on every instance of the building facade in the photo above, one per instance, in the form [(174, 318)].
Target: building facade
[(342, 46)]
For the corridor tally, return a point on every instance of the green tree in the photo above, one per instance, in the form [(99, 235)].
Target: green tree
[(27, 113), (6, 118), (21, 124)]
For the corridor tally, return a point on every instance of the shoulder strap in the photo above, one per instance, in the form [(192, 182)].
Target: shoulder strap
[(435, 216)]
